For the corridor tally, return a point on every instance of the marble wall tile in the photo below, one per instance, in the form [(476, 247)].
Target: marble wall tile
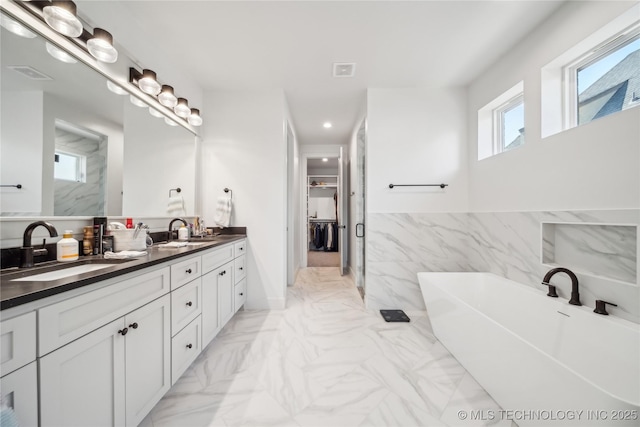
[(510, 244)]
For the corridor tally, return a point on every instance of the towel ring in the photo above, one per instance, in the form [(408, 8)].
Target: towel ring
[(226, 190), (178, 190)]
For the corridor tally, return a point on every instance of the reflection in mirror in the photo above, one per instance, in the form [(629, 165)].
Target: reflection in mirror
[(52, 105)]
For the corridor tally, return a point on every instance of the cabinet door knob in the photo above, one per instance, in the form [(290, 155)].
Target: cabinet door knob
[(241, 268), (189, 304), (242, 249), (123, 331), (189, 346), (188, 271), (134, 325), (241, 293)]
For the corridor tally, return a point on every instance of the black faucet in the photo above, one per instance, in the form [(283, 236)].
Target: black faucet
[(575, 296), (171, 225), (27, 252), (601, 307)]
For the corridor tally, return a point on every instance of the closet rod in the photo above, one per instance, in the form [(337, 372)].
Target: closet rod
[(418, 185)]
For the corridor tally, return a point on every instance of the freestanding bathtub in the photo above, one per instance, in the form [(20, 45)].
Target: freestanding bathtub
[(545, 362)]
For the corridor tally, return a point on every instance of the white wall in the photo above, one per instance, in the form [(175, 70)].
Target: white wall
[(416, 136), (594, 166), (21, 152), (244, 149)]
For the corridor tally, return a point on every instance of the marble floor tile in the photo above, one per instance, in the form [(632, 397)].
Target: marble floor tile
[(325, 360)]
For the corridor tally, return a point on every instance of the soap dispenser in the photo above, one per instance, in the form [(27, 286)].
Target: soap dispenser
[(183, 233), (67, 247)]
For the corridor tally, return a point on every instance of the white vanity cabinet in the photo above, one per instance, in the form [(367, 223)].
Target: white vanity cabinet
[(105, 354), (19, 382), (111, 376), (221, 267)]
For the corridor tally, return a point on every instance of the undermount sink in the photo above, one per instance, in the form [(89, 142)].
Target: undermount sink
[(62, 271)]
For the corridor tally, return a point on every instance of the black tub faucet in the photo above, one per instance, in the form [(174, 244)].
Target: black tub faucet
[(27, 252), (575, 295)]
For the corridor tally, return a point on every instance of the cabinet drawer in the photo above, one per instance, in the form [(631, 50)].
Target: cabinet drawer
[(17, 342), (63, 322), (240, 268), (20, 393), (240, 294), (186, 305), (185, 271), (216, 258), (239, 248), (185, 347)]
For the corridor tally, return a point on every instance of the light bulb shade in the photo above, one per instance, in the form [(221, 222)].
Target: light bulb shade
[(101, 46), (15, 27), (170, 122), (137, 101), (155, 113), (166, 97), (182, 108), (115, 88), (148, 83), (61, 16), (59, 54), (194, 118)]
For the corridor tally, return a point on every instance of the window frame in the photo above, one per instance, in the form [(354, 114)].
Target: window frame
[(570, 70), (499, 122), (81, 167)]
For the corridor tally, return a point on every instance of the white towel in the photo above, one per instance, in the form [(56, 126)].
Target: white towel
[(223, 212), (124, 254), (175, 207)]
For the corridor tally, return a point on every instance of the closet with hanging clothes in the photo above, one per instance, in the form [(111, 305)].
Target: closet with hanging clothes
[(322, 230)]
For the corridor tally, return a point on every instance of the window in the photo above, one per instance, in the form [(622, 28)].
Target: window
[(597, 77), (501, 123), (606, 81), (69, 167), (508, 122)]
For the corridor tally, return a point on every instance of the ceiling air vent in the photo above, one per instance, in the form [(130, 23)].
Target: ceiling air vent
[(29, 72), (344, 69)]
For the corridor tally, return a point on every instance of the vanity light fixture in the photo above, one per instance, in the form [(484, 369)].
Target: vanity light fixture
[(115, 88), (16, 28), (61, 16), (170, 122), (194, 118), (155, 113), (137, 101), (59, 54), (327, 125), (148, 83), (182, 109), (101, 46), (166, 97)]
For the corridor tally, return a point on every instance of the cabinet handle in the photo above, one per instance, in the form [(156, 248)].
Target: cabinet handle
[(123, 331), (241, 293), (134, 325), (188, 271), (242, 249), (223, 272), (189, 304), (189, 346), (241, 268)]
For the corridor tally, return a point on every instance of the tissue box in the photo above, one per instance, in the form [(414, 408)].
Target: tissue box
[(123, 240)]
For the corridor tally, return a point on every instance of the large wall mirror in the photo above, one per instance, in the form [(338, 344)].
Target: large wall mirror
[(77, 148)]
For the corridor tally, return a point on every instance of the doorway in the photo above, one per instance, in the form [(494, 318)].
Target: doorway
[(322, 207)]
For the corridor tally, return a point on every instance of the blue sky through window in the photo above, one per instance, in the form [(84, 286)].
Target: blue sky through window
[(513, 121), (590, 74)]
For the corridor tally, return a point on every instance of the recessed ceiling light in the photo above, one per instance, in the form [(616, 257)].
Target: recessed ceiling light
[(324, 159), (327, 125)]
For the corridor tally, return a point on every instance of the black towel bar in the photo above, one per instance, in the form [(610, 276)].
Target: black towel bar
[(418, 185)]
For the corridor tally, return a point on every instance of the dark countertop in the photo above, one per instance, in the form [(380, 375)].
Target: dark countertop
[(15, 293)]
